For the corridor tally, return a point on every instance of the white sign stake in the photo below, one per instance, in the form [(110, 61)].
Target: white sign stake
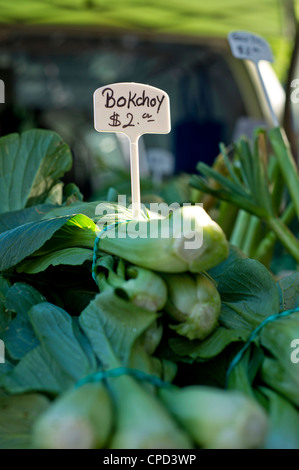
[(249, 46), (133, 109)]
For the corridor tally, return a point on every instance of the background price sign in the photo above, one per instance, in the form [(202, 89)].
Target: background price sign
[(133, 109), (245, 45)]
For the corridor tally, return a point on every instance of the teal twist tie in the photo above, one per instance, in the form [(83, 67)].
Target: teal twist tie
[(252, 337), (137, 374)]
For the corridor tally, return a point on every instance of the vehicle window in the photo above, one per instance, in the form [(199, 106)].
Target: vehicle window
[(52, 80)]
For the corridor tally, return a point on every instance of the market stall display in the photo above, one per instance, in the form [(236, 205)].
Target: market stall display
[(161, 327)]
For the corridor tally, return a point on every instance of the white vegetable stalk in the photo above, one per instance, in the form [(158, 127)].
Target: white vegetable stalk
[(186, 240), (194, 301), (143, 288), (81, 418), (216, 418), (142, 422)]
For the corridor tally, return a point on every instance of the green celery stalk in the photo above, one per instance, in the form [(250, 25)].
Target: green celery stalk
[(286, 163), (286, 237), (240, 229), (227, 217), (250, 239), (265, 247)]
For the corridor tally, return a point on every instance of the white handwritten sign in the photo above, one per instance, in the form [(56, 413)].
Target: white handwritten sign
[(249, 46), (133, 109)]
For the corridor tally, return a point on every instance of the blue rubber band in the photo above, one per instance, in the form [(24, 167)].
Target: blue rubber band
[(252, 337)]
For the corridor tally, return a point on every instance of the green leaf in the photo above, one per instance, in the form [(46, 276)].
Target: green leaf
[(113, 325), (248, 294), (78, 231), (17, 415), (21, 297), (5, 315), (5, 367), (289, 290), (286, 162), (23, 241), (242, 375), (84, 343), (55, 195), (260, 191), (211, 346), (19, 337), (68, 256), (230, 167), (96, 210), (37, 371), (245, 157), (54, 329), (30, 164), (234, 254), (222, 180), (71, 193), (13, 219), (86, 208)]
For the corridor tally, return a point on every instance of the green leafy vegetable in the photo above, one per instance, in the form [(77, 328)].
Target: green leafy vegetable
[(30, 165)]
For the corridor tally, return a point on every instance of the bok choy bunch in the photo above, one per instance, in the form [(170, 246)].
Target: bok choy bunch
[(218, 419), (186, 240), (119, 333), (81, 418)]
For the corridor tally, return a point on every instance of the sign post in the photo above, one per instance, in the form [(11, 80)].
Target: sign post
[(133, 109)]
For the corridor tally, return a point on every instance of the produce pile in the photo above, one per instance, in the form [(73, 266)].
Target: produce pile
[(117, 342)]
